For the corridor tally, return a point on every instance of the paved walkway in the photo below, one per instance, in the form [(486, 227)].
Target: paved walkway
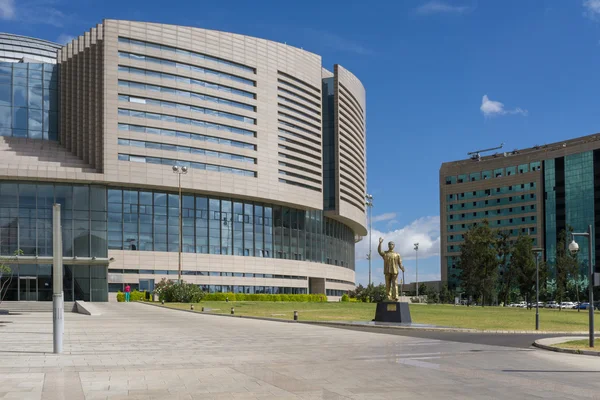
[(135, 351)]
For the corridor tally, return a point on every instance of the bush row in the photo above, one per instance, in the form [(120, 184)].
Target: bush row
[(134, 296), (305, 298)]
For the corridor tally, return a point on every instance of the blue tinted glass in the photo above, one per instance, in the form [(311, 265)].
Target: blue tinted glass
[(20, 118), (19, 96), (5, 95), (5, 116)]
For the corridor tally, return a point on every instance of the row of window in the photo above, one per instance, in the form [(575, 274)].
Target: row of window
[(189, 164), (456, 248), (499, 222), (532, 230), (498, 211), (285, 164), (185, 93), (489, 192), (119, 287), (496, 173), (186, 80), (149, 221), (296, 103), (339, 281), (300, 120), (299, 176), (335, 292), (297, 96), (186, 107), (186, 135), (285, 123), (204, 273), (486, 203), (302, 185), (316, 90), (185, 149), (184, 66), (186, 121), (287, 132), (192, 54)]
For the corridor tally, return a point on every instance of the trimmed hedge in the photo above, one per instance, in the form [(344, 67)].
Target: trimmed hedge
[(305, 298), (134, 296)]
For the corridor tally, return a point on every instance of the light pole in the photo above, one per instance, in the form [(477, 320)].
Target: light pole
[(537, 252), (180, 171), (369, 203), (417, 266), (574, 248)]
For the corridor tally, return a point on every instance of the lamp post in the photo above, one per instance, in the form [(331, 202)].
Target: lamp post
[(369, 203), (537, 252), (417, 266), (574, 248), (180, 170)]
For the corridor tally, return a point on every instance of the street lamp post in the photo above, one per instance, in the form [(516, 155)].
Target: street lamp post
[(574, 248), (537, 252), (369, 203), (180, 170), (417, 266)]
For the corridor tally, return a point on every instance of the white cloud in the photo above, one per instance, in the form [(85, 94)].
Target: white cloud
[(63, 39), (491, 108), (439, 7), (425, 231), (592, 9), (384, 217), (7, 9), (34, 12)]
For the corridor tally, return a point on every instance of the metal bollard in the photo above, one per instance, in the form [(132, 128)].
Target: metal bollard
[(162, 302), (295, 315), (232, 311), (192, 307), (202, 309), (226, 299)]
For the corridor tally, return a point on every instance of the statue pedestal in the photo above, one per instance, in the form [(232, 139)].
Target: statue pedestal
[(390, 311)]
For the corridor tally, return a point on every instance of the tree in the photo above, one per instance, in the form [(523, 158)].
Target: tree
[(523, 262), (504, 248), (478, 262), (422, 289), (445, 295)]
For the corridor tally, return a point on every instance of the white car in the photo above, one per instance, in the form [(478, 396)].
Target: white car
[(522, 304), (567, 304), (551, 304)]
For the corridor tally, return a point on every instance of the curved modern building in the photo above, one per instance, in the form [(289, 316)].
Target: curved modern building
[(17, 48), (273, 143)]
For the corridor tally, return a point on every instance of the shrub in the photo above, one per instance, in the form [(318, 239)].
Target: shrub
[(134, 296), (265, 297), (176, 292), (345, 298)]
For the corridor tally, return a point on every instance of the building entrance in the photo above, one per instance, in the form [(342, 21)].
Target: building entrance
[(28, 288)]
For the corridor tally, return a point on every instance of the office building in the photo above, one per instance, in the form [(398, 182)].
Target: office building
[(273, 143), (537, 191)]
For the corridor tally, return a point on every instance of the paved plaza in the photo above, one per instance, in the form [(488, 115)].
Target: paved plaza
[(136, 351)]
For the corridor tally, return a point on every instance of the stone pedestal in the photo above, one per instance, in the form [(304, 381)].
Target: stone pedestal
[(390, 311)]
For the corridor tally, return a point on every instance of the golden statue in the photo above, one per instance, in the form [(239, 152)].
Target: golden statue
[(392, 263)]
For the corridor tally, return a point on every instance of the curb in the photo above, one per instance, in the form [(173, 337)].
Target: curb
[(336, 323), (568, 351)]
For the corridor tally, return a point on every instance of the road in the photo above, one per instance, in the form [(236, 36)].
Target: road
[(493, 339), (136, 351)]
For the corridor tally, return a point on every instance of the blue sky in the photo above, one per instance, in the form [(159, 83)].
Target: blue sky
[(426, 66)]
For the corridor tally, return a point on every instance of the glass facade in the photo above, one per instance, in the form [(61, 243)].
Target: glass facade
[(26, 219), (329, 147), (148, 221), (29, 100), (34, 283)]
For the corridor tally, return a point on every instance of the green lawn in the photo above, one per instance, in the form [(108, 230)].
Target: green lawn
[(580, 345), (491, 318)]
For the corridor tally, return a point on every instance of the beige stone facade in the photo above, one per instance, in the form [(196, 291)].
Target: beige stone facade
[(120, 71)]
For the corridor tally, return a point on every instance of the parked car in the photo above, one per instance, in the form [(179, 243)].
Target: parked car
[(551, 304), (522, 304), (582, 306), (567, 304)]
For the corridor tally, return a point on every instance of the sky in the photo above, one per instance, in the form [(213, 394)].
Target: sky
[(442, 78)]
